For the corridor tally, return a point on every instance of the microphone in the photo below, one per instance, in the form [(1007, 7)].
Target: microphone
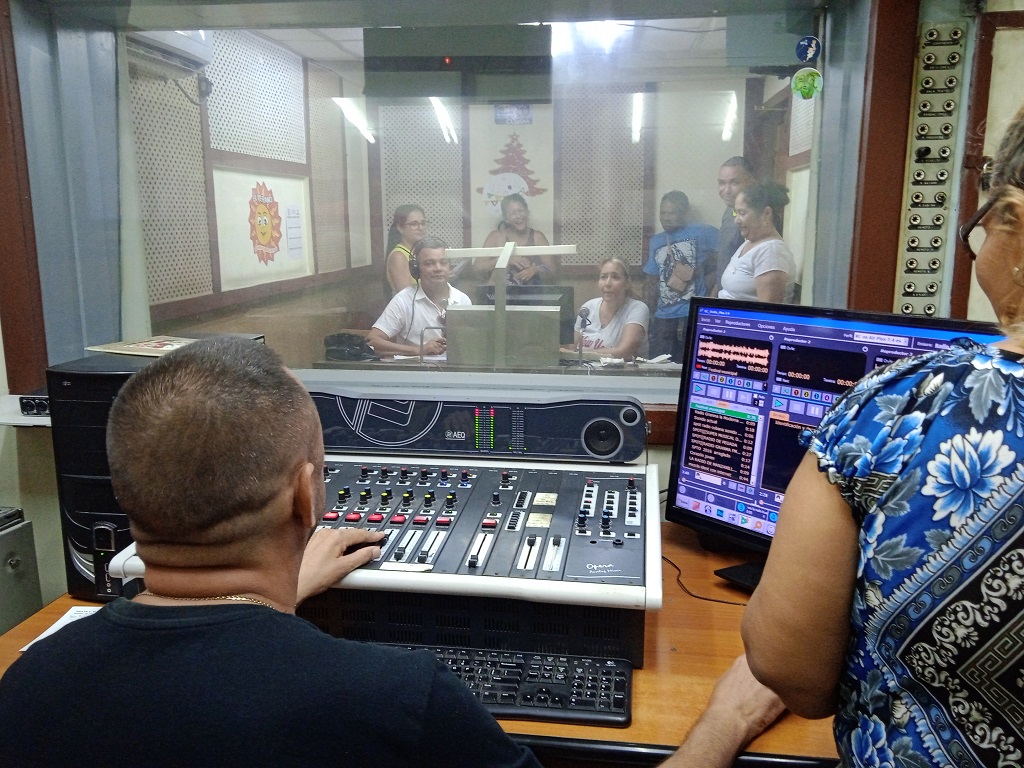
[(584, 322), (444, 310)]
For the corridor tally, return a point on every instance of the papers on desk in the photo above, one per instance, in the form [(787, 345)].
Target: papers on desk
[(73, 614), (425, 358)]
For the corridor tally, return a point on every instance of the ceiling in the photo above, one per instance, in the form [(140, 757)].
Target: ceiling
[(336, 14)]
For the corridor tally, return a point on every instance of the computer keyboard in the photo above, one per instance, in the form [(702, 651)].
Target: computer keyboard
[(584, 690)]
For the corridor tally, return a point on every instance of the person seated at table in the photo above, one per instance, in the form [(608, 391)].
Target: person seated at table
[(216, 456), (893, 592), (615, 323), (763, 268), (413, 321), (408, 227), (515, 227)]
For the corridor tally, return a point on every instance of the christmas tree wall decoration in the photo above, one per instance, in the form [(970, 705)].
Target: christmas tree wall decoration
[(512, 175), (513, 160)]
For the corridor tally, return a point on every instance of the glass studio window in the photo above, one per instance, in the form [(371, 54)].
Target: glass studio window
[(267, 164)]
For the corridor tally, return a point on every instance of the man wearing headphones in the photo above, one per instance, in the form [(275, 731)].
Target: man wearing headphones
[(413, 321)]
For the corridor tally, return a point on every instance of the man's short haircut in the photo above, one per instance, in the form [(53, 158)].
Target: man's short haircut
[(428, 242), (207, 435), (738, 161), (678, 199)]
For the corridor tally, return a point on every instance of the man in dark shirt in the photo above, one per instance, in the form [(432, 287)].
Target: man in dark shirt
[(216, 456)]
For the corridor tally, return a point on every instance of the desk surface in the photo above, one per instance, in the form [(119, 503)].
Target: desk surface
[(688, 644)]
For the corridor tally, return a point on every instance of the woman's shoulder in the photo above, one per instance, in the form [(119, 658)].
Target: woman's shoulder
[(636, 311), (401, 250), (771, 252), (494, 238)]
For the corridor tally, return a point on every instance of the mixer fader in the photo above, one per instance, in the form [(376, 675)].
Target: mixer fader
[(550, 532)]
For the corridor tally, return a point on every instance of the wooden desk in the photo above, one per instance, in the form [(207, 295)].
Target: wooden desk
[(688, 645)]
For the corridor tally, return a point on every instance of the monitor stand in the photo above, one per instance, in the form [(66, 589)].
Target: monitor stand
[(745, 576)]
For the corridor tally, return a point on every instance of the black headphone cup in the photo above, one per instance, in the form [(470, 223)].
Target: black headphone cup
[(414, 267)]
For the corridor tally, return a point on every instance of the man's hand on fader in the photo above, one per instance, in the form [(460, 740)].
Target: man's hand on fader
[(332, 554)]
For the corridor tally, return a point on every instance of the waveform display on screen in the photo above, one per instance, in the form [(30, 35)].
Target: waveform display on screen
[(721, 354), (818, 367)]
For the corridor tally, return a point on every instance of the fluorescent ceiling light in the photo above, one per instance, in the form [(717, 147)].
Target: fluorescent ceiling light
[(638, 116), (355, 116), (731, 113), (445, 121)]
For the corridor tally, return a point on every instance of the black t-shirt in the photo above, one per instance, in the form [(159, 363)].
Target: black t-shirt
[(236, 685)]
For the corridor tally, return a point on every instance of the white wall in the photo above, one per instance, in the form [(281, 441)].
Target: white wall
[(689, 122)]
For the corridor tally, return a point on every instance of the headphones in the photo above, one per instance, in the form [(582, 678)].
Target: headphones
[(414, 264)]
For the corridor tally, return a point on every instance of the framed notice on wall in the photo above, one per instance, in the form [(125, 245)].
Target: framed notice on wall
[(264, 229)]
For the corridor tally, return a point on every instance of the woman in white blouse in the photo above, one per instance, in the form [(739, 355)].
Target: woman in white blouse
[(615, 323), (763, 268)]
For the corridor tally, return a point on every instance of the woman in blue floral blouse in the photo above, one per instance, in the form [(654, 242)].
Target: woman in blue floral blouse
[(893, 596)]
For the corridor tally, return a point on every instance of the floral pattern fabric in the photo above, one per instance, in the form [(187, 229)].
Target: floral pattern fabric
[(929, 454)]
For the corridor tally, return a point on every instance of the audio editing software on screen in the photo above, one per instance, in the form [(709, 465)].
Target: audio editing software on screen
[(758, 377)]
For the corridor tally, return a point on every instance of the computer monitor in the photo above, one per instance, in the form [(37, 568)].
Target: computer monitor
[(560, 296), (754, 376)]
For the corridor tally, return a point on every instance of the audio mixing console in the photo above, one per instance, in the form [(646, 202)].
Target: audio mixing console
[(580, 534)]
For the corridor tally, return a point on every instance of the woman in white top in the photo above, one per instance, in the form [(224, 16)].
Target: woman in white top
[(762, 269), (615, 323)]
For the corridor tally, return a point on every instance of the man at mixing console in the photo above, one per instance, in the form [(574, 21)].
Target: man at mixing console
[(216, 455)]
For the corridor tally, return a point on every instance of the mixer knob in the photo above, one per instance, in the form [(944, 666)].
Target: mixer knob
[(404, 473), (504, 477), (428, 499), (342, 495), (407, 498), (327, 471), (365, 495), (444, 474), (465, 475), (496, 498), (423, 474), (364, 472), (383, 473), (606, 523), (385, 496), (581, 520), (631, 484), (450, 500)]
